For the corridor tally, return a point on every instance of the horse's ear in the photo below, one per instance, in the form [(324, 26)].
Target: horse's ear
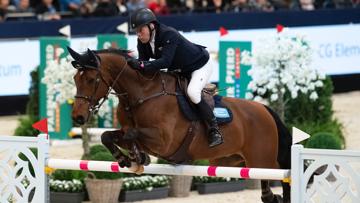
[(93, 58), (76, 56)]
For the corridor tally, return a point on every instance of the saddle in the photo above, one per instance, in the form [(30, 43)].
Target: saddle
[(222, 113)]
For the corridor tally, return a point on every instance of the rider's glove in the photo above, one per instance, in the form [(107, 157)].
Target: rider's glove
[(135, 64)]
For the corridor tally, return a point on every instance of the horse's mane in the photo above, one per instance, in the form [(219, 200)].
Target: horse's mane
[(122, 52)]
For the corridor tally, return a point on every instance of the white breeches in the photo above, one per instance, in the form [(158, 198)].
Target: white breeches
[(199, 79)]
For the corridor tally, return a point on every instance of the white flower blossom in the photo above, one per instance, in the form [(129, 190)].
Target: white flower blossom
[(282, 62)]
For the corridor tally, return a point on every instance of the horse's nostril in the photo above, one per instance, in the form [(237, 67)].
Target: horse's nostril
[(80, 120)]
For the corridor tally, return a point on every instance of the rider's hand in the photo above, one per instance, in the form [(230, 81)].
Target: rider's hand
[(135, 64)]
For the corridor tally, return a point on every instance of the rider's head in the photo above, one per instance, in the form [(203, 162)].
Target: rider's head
[(143, 22)]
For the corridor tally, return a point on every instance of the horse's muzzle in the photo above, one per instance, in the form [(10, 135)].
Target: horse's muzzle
[(79, 120)]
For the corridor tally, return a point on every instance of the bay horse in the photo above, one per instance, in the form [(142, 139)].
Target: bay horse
[(152, 123)]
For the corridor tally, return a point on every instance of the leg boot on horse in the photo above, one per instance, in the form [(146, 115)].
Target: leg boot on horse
[(108, 139), (215, 138)]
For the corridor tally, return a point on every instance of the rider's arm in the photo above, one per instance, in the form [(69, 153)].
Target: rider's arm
[(142, 55), (170, 43)]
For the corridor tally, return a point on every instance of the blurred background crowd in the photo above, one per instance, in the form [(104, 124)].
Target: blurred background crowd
[(57, 9)]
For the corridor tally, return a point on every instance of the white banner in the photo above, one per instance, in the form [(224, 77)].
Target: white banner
[(17, 60), (337, 51)]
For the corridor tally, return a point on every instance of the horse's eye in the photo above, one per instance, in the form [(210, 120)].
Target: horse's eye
[(91, 80)]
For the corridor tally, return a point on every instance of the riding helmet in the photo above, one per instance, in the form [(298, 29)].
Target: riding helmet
[(142, 17)]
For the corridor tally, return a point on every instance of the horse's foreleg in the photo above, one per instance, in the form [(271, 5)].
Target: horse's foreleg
[(110, 139)]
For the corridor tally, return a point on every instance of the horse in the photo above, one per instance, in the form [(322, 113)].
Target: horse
[(152, 123)]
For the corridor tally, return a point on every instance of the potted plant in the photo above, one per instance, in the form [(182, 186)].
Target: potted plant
[(179, 185), (144, 188), (208, 185), (67, 186), (103, 187)]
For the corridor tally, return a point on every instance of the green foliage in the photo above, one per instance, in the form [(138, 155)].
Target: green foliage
[(332, 126), (324, 140), (25, 127), (32, 107), (61, 174), (201, 162), (303, 109), (105, 156), (97, 148)]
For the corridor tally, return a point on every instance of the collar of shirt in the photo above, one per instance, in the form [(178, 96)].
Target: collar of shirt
[(152, 43)]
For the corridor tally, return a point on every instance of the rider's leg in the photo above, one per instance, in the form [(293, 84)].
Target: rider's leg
[(199, 79)]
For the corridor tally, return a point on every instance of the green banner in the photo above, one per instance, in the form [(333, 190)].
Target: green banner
[(59, 120), (233, 76), (109, 120)]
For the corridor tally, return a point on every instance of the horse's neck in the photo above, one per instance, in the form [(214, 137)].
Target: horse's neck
[(134, 84)]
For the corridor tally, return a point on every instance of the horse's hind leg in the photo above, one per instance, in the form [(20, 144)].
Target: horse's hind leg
[(267, 195), (109, 139), (286, 192)]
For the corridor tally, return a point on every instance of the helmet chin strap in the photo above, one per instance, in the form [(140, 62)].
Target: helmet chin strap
[(151, 31)]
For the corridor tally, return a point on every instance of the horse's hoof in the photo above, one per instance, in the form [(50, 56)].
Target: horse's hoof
[(145, 159), (136, 168), (278, 198), (272, 198), (124, 163)]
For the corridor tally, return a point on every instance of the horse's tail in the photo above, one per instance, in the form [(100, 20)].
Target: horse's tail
[(285, 141)]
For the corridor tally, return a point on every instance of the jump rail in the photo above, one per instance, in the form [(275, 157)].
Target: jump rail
[(166, 169), (337, 163)]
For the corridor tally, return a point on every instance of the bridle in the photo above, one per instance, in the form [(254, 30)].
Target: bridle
[(94, 106)]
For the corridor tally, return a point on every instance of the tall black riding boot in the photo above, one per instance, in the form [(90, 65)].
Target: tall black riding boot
[(214, 135)]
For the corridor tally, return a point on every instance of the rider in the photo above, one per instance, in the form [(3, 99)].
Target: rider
[(173, 51)]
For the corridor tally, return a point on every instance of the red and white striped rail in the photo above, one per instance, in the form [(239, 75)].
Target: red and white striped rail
[(165, 169)]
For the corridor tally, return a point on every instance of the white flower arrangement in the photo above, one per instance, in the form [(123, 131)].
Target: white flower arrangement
[(58, 77), (71, 186), (280, 63), (145, 182)]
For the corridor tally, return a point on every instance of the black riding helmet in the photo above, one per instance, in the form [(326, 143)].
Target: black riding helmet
[(142, 17)]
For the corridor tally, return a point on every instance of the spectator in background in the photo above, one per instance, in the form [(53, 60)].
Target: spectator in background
[(2, 15), (24, 7), (70, 5), (239, 6), (134, 5), (47, 11), (87, 8), (6, 6), (106, 8), (158, 7), (177, 6), (209, 5), (122, 7), (261, 5)]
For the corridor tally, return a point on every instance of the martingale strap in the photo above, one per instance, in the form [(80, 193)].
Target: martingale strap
[(181, 156)]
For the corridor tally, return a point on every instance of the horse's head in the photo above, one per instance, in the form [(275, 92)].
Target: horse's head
[(92, 84)]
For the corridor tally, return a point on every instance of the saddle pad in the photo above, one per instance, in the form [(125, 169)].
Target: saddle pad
[(223, 114)]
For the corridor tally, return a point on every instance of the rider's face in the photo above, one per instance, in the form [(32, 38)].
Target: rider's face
[(143, 34)]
